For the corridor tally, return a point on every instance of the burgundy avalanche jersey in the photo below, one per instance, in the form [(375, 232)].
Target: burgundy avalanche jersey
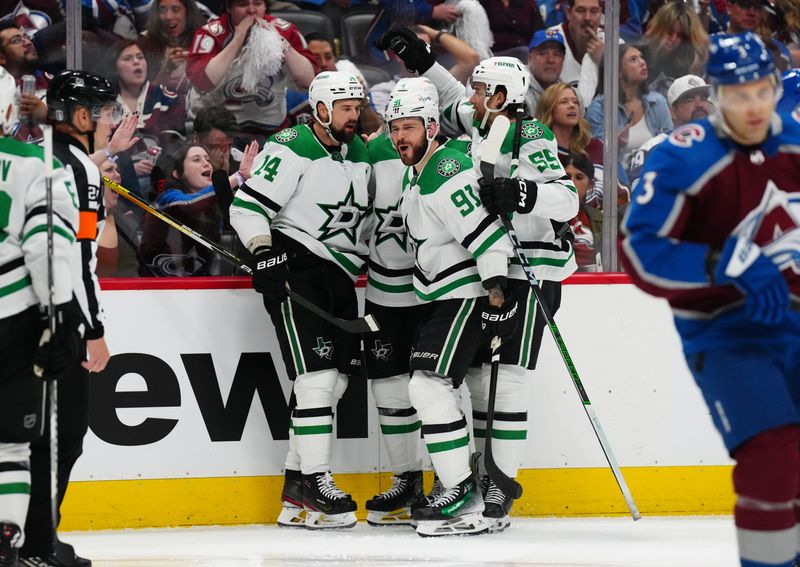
[(697, 189)]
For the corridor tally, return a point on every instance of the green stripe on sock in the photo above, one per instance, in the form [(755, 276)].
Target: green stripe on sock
[(15, 488), (397, 429), (507, 434), (313, 429), (448, 445)]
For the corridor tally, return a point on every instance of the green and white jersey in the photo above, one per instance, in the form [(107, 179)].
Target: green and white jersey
[(456, 243), (391, 259), (314, 196), (557, 198), (23, 228)]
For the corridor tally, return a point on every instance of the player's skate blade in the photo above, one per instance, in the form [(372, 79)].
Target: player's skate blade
[(468, 524), (292, 517), (399, 517), (498, 524), (322, 521)]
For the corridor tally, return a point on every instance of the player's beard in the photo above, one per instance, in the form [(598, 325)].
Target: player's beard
[(343, 136), (417, 154)]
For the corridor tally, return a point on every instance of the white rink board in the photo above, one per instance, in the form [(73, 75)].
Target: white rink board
[(622, 341)]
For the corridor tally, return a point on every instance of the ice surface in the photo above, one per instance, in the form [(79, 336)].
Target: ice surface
[(539, 542)]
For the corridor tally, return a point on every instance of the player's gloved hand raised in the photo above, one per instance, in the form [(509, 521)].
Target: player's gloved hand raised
[(503, 195), (499, 321), (270, 272), (743, 264), (57, 354), (415, 53)]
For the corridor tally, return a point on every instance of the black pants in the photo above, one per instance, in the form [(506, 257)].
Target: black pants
[(73, 423)]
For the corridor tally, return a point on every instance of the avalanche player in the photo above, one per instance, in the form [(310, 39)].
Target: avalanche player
[(714, 228)]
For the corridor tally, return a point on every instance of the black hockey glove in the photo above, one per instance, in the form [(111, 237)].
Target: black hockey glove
[(57, 354), (415, 53), (270, 272), (499, 321), (503, 195)]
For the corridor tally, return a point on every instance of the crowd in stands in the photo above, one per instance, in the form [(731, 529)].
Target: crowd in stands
[(204, 85)]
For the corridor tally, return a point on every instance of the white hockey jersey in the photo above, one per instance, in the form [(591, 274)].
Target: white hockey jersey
[(391, 259), (557, 198), (23, 228), (456, 244), (315, 197)]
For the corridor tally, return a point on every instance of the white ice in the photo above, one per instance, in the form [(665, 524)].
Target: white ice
[(589, 542)]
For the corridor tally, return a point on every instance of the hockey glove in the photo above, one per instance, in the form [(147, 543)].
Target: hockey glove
[(57, 354), (499, 321), (270, 272), (415, 53), (503, 195), (767, 294)]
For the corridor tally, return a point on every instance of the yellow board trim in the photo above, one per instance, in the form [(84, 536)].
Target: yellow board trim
[(96, 505)]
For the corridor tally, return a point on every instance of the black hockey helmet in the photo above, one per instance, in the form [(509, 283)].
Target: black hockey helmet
[(73, 88)]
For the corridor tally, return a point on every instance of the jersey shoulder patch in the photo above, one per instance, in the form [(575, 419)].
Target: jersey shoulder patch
[(300, 140), (442, 166), (533, 130), (281, 24), (215, 28)]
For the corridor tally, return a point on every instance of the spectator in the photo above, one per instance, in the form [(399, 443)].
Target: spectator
[(546, 61), (581, 171), (19, 57), (243, 61), (584, 41), (513, 23), (214, 129), (688, 100), (166, 40), (642, 113), (674, 45), (297, 102), (190, 198), (789, 33), (744, 15)]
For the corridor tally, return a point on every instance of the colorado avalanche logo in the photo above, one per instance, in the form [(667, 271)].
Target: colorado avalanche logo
[(448, 167), (687, 135), (532, 131), (262, 96), (286, 135)]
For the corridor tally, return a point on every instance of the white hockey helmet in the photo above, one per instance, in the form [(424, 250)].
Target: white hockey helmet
[(414, 105), (416, 85), (330, 86), (508, 72), (8, 101)]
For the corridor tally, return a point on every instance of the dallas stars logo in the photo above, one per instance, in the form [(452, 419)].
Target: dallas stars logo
[(532, 131), (448, 167), (286, 135), (382, 351), (324, 349), (390, 226), (343, 218)]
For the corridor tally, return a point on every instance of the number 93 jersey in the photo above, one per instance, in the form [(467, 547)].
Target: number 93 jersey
[(311, 193)]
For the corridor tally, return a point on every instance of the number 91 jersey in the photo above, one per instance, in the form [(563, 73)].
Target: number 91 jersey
[(310, 193)]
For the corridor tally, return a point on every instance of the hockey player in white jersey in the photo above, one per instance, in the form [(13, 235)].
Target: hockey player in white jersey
[(460, 253), (24, 295), (543, 200), (391, 300), (302, 215)]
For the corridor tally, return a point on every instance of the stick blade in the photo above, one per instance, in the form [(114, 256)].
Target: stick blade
[(494, 141)]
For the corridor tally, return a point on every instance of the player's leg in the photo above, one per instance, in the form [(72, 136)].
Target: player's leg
[(753, 410), (21, 420), (442, 354), (386, 354)]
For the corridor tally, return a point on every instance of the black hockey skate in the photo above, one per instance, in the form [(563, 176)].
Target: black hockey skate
[(292, 515), (393, 507), (437, 489), (10, 534), (497, 505), (326, 506), (455, 511)]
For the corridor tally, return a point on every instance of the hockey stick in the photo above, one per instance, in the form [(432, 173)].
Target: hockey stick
[(489, 158), (507, 484), (366, 324), (52, 385)]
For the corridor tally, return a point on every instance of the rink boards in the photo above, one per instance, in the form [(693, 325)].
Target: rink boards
[(189, 421)]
